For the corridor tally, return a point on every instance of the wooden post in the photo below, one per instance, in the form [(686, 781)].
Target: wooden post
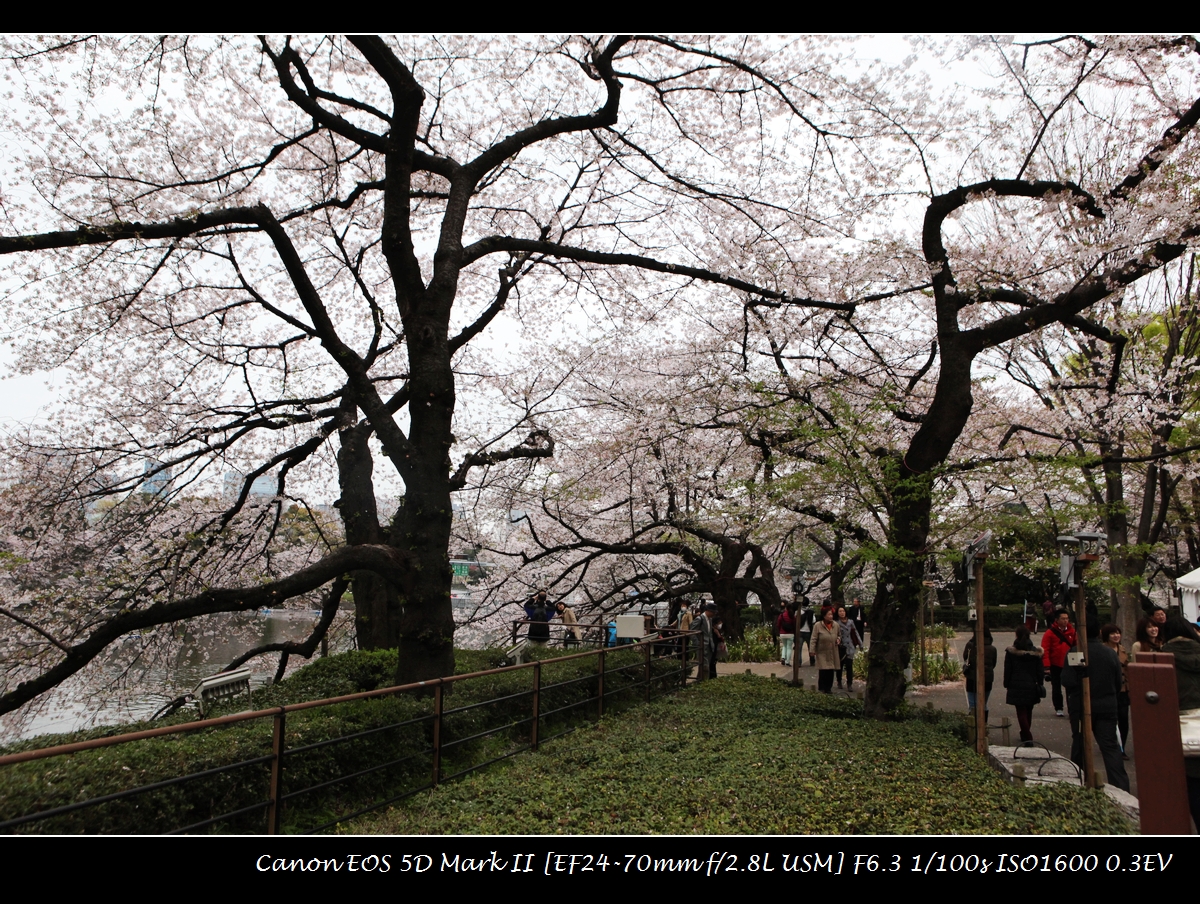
[(684, 660), (437, 734), (275, 807), (1162, 784), (600, 694), (981, 738), (537, 690)]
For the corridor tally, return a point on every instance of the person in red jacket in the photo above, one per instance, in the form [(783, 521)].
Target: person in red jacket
[(1058, 640)]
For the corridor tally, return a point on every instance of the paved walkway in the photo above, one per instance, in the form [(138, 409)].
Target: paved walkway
[(1047, 728)]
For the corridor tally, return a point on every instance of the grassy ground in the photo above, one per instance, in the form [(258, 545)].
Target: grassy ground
[(750, 755)]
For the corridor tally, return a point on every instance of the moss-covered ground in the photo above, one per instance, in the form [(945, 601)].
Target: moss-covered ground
[(750, 755)]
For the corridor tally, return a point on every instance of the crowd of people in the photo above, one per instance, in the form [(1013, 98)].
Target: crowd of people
[(831, 636), (834, 635), (1028, 670)]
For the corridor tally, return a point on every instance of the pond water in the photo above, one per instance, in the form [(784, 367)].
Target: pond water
[(136, 690)]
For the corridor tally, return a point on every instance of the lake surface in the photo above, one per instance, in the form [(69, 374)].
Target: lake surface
[(132, 691)]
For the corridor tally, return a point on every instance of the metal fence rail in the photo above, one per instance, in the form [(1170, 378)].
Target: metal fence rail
[(665, 667)]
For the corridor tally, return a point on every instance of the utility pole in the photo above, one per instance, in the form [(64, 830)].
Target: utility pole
[(981, 738)]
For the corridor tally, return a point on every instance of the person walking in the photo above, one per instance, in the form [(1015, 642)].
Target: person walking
[(1110, 635), (1058, 640), (850, 641), (1047, 613), (1024, 680), (706, 622), (805, 619), (825, 647), (785, 625), (858, 614), (989, 670)]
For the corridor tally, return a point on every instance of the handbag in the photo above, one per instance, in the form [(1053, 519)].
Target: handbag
[(722, 652), (1189, 731)]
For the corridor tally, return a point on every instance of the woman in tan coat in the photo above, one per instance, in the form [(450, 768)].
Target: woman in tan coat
[(825, 645)]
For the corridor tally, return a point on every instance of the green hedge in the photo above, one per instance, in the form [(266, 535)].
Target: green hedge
[(45, 784), (1002, 617)]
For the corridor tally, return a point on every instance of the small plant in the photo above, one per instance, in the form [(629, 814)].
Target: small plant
[(937, 668), (756, 645)]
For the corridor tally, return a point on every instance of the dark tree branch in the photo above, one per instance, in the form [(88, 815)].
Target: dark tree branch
[(539, 444), (496, 243), (306, 647), (383, 560)]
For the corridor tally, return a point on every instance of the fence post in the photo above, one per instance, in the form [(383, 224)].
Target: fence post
[(437, 733), (275, 806), (648, 646), (684, 661), (600, 695), (537, 688), (1162, 785)]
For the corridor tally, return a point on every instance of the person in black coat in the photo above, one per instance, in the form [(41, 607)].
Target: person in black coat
[(539, 613), (989, 669), (1104, 670), (1024, 680)]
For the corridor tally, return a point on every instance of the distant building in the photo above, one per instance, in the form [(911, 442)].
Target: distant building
[(263, 487), (158, 479), (467, 573)]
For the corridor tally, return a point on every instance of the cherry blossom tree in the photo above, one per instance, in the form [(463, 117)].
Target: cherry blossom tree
[(313, 239), (1119, 402), (1070, 186), (274, 257), (648, 500)]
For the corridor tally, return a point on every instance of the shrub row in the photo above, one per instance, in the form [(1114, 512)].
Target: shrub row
[(997, 617), (45, 784)]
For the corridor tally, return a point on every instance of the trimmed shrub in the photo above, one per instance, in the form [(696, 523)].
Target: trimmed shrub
[(500, 703)]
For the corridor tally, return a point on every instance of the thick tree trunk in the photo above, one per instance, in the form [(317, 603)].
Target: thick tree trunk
[(1125, 569), (898, 593), (422, 526), (376, 601), (729, 608), (908, 483)]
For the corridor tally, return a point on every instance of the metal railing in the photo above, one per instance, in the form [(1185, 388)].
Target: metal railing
[(446, 735)]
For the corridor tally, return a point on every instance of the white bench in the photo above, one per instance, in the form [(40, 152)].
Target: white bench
[(221, 686)]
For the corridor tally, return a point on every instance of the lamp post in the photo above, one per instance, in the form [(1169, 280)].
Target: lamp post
[(800, 600), (973, 559), (1078, 551)]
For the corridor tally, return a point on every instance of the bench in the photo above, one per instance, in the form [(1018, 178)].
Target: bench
[(221, 686)]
